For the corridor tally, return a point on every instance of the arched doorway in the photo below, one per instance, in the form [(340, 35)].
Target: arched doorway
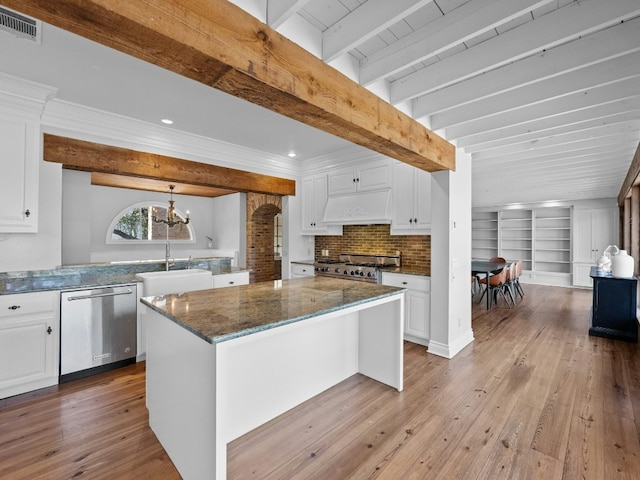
[(262, 257)]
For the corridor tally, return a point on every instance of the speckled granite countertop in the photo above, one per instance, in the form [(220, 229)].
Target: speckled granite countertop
[(96, 275), (226, 313)]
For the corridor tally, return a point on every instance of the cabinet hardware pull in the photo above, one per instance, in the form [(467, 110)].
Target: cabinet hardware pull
[(404, 283), (415, 220), (99, 295), (231, 283), (49, 330), (14, 307), (411, 220), (27, 213)]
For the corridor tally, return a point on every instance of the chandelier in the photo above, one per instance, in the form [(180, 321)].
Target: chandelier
[(172, 219)]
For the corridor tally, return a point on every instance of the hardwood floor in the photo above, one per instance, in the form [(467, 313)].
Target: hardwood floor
[(533, 397)]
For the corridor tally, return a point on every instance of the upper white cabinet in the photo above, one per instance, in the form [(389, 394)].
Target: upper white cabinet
[(362, 178), (21, 106), (593, 230), (29, 339), (20, 157), (411, 201), (314, 202)]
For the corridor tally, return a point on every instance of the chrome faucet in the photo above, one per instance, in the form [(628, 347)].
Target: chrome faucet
[(167, 255)]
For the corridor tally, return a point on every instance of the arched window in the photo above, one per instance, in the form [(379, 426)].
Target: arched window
[(135, 224)]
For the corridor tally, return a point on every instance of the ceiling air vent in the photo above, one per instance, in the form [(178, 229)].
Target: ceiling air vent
[(20, 25)]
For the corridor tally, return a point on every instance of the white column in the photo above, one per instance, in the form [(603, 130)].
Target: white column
[(451, 259)]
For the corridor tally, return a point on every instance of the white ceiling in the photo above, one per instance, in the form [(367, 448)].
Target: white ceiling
[(544, 94)]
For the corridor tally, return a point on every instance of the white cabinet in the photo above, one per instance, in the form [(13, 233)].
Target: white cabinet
[(593, 230), (363, 178), (314, 202), (29, 339), (230, 279), (417, 307), (299, 270), (20, 157), (411, 201)]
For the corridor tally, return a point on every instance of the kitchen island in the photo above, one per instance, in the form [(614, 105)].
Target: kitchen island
[(222, 362)]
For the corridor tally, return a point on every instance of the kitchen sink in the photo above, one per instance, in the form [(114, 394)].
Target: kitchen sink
[(175, 281)]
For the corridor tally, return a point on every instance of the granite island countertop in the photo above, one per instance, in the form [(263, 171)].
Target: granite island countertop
[(222, 314)]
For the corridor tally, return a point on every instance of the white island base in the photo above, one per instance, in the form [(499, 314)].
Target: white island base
[(203, 395)]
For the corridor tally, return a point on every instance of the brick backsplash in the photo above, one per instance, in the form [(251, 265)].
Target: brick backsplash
[(377, 240)]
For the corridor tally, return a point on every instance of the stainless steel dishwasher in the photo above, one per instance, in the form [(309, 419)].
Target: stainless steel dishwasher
[(98, 330)]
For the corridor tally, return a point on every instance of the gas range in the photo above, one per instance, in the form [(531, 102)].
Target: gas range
[(353, 266)]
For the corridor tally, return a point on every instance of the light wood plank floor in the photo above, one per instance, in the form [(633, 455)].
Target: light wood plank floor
[(533, 397)]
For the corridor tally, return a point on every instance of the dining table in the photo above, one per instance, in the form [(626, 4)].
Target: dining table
[(486, 267)]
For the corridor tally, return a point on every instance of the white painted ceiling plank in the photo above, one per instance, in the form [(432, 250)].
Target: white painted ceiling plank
[(553, 29), (567, 150), (603, 123), (576, 101), (364, 22), (572, 159), (279, 11), (465, 22), (597, 47), (551, 89), (566, 120), (630, 127)]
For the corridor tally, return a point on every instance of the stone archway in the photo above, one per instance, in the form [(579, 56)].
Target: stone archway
[(261, 211)]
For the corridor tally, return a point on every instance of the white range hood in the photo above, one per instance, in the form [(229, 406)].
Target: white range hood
[(359, 208)]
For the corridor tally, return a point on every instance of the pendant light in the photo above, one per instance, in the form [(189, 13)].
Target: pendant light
[(172, 219)]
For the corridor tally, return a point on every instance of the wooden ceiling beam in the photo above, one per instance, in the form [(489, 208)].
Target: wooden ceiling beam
[(218, 44), (93, 157), (632, 178)]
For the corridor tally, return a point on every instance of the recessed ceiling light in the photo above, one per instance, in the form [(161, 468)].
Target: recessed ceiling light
[(292, 154), (167, 121)]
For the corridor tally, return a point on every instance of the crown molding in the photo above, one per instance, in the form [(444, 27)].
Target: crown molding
[(84, 123)]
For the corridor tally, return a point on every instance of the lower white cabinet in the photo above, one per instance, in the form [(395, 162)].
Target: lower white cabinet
[(230, 279), (29, 341), (299, 270), (417, 307)]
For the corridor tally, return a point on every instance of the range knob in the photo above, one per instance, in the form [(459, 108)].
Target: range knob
[(337, 270), (361, 273), (371, 274), (353, 272), (346, 272)]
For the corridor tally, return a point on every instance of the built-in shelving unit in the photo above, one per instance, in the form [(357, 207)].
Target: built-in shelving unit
[(516, 236), (553, 240), (540, 236), (484, 234)]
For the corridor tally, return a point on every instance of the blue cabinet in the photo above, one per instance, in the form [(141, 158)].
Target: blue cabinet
[(613, 313)]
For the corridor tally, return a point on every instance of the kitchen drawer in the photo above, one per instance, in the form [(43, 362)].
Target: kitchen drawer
[(302, 270), (230, 279), (413, 282), (28, 303)]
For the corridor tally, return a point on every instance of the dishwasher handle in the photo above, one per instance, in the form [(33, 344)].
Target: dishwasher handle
[(98, 295)]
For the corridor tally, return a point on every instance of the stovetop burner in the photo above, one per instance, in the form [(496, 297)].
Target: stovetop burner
[(357, 266)]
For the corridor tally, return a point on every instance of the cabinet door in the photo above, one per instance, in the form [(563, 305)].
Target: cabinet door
[(422, 207), (308, 204), (373, 177), (320, 198), (26, 353), (403, 195), (417, 316), (583, 252), (603, 221), (341, 182), (19, 193)]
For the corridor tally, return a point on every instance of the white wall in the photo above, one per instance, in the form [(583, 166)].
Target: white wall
[(88, 210)]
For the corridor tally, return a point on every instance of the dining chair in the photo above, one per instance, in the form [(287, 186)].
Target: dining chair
[(516, 281), (482, 275), (509, 285), (494, 286)]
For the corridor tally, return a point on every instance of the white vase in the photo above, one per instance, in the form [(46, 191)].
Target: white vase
[(622, 265)]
